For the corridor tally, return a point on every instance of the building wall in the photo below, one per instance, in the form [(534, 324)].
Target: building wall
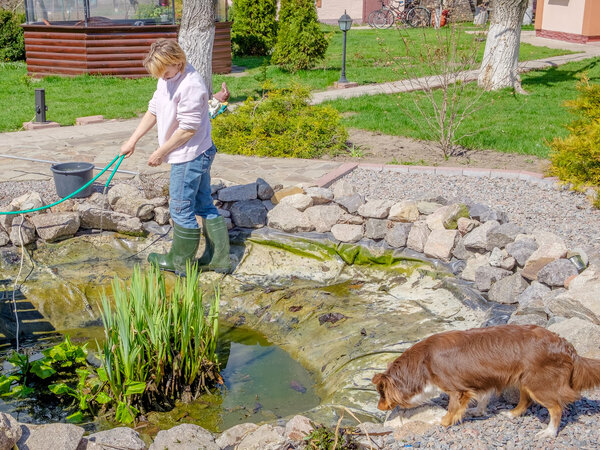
[(565, 16), (329, 11), (591, 21)]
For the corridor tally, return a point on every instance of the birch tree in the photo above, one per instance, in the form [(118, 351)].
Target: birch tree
[(197, 34), (501, 55)]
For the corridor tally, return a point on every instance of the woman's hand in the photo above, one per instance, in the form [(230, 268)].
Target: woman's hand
[(156, 159), (127, 149)]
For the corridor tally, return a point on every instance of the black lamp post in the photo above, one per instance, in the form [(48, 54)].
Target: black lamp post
[(345, 22)]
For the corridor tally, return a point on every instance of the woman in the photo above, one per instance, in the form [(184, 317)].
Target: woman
[(179, 108)]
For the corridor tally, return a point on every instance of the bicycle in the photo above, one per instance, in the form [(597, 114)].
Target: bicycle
[(406, 11)]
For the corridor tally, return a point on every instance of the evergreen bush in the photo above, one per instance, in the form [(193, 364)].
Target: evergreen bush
[(281, 124), (254, 28), (576, 158), (12, 40), (300, 41)]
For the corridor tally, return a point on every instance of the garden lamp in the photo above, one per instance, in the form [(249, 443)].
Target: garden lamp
[(345, 22)]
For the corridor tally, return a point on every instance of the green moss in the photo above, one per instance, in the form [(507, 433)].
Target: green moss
[(452, 224)]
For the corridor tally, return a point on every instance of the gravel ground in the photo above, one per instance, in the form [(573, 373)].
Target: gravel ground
[(533, 207), (579, 429)]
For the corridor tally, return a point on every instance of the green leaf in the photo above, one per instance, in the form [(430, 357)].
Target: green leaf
[(22, 391), (83, 402), (102, 374), (135, 387), (77, 417), (103, 398), (41, 369), (61, 388), (6, 382), (125, 414), (57, 353)]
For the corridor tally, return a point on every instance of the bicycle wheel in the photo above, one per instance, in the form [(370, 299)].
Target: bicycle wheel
[(382, 18), (418, 17)]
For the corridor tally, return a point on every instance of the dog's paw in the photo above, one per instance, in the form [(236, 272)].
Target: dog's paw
[(508, 413), (548, 433), (476, 412)]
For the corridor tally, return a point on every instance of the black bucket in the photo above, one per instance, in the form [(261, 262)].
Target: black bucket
[(68, 177)]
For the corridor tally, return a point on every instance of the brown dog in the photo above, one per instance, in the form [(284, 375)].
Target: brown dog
[(476, 363)]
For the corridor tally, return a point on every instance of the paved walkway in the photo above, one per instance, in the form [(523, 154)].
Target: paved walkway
[(100, 143)]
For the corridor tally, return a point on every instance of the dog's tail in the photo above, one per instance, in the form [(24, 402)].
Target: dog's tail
[(586, 373)]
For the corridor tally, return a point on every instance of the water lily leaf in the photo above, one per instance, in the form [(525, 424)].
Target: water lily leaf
[(22, 391), (61, 388), (76, 417), (135, 387), (102, 374), (6, 382)]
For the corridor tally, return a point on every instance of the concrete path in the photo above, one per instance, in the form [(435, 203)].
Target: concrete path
[(100, 143)]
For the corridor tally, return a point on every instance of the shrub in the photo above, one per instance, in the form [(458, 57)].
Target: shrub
[(576, 158), (281, 124), (254, 28), (12, 41), (300, 41)]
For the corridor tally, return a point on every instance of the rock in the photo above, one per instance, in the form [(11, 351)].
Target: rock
[(159, 201), (521, 250), (320, 196), (397, 235), (6, 220), (285, 192), (93, 217), (431, 414), (162, 215), (378, 209), (410, 429), (120, 191), (502, 235), (134, 206), (268, 204), (440, 244), (485, 214), (298, 201), (531, 300), (184, 437), (350, 203), (239, 193), (427, 208), (67, 205), (347, 233), (62, 436), (351, 219), (97, 199), (30, 200), (288, 219), (323, 217), (417, 237), (264, 191), (249, 214), (229, 439), (22, 234), (298, 427), (343, 189), (460, 252), (584, 336), (585, 288), (548, 251), (560, 303), (4, 238), (10, 431), (556, 272), (486, 275), (474, 263), (477, 240), (404, 211), (51, 227), (466, 225), (446, 217), (120, 437), (528, 319), (376, 228), (507, 289), (264, 437)]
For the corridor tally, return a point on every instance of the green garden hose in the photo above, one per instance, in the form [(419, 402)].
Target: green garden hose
[(120, 158)]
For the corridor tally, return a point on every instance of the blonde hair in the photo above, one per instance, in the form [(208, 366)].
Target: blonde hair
[(163, 53)]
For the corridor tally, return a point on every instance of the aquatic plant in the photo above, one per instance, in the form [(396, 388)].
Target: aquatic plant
[(158, 348)]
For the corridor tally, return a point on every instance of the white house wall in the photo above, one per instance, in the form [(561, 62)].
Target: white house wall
[(331, 10)]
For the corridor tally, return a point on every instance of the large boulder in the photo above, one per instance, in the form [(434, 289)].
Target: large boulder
[(440, 244), (239, 193), (10, 431), (507, 289), (62, 436), (584, 336), (184, 437), (51, 227), (120, 437), (323, 217), (98, 218), (289, 219), (22, 232), (249, 214)]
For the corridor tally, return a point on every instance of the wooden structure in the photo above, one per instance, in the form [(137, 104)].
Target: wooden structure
[(103, 48)]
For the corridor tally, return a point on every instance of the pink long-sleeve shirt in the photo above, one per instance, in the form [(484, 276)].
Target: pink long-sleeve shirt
[(182, 102)]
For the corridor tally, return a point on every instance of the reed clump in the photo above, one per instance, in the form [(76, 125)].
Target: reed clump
[(158, 348)]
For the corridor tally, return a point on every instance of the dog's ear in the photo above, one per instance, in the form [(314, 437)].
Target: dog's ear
[(378, 379)]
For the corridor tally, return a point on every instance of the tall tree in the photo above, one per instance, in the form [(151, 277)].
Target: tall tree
[(501, 55), (254, 28), (197, 34)]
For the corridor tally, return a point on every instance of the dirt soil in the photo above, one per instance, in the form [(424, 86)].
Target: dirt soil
[(373, 147)]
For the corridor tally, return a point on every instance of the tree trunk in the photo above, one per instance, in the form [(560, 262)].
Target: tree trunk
[(196, 36), (501, 56)]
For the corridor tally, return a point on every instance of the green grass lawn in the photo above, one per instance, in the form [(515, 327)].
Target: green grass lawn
[(506, 122)]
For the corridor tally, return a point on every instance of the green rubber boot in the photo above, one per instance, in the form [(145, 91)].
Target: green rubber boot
[(208, 247), (183, 249), (217, 243)]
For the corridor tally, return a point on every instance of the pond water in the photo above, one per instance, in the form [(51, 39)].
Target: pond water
[(261, 383)]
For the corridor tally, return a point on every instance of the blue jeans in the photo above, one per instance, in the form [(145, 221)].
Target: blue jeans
[(189, 188)]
